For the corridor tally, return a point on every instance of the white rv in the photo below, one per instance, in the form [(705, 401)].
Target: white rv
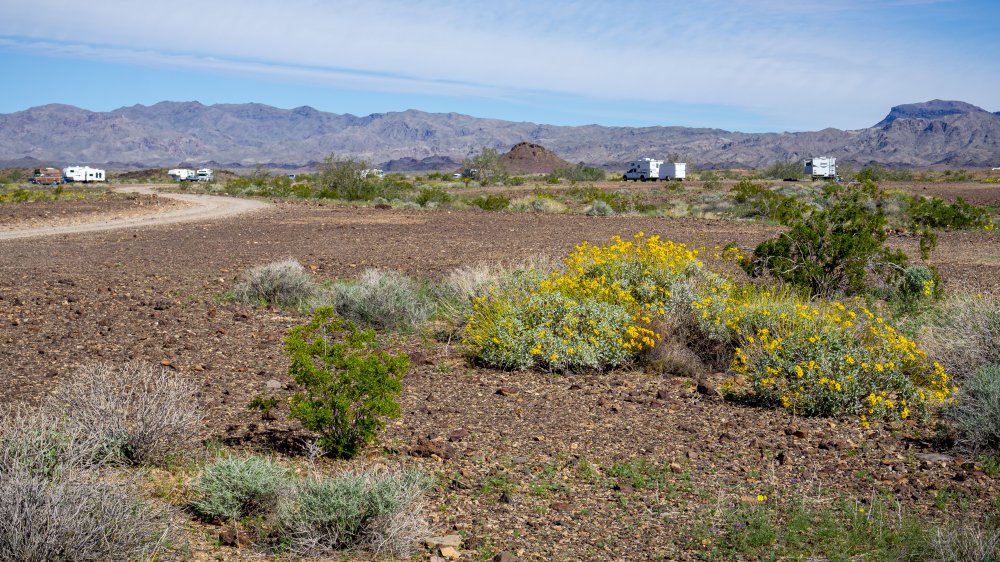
[(673, 171), (181, 174), (371, 172), (642, 170), (204, 174), (822, 167), (83, 174)]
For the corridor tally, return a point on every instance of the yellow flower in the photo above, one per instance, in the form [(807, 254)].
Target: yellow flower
[(761, 498)]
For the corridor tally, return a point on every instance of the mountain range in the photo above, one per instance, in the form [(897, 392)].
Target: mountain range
[(920, 135)]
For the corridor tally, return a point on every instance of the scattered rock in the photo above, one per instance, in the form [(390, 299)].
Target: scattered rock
[(505, 557), (624, 487), (934, 457), (560, 506), (676, 468), (231, 536), (428, 448), (662, 394), (519, 460), (458, 435), (449, 552), (507, 498), (454, 541), (706, 388), (782, 458), (800, 433), (506, 391), (273, 385)]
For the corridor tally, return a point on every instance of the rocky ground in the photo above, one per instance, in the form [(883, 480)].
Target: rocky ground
[(530, 463)]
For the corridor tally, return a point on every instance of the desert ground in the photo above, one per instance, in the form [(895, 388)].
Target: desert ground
[(511, 450)]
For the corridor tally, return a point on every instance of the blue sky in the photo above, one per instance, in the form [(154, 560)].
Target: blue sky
[(748, 65)]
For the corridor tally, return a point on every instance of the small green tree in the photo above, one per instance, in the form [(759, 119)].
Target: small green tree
[(348, 387), (790, 170), (486, 167), (346, 179), (830, 252)]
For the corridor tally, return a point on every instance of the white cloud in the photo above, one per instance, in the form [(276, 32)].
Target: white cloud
[(789, 60)]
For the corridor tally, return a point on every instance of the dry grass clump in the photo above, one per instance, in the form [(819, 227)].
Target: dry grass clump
[(129, 414), (78, 516), (964, 335), (966, 542), (976, 413), (382, 300), (284, 283), (40, 444)]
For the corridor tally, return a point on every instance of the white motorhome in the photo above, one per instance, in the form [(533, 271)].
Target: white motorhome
[(204, 174), (372, 172), (83, 174), (642, 170), (181, 174), (673, 171), (821, 167)]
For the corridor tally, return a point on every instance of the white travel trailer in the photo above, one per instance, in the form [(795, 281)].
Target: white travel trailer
[(83, 174), (821, 167), (181, 174), (673, 171), (642, 170), (372, 172), (204, 174)]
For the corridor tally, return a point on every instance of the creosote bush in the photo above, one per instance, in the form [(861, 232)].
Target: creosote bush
[(964, 333), (284, 283), (383, 300), (348, 387), (138, 413), (233, 487)]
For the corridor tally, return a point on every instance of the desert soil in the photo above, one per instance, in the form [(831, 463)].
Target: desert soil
[(510, 446)]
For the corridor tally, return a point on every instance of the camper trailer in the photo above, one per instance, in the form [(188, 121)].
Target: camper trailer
[(642, 170), (83, 174), (204, 174), (182, 174), (673, 171), (821, 167)]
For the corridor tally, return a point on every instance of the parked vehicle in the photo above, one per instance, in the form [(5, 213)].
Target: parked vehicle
[(47, 176), (182, 174), (204, 174), (821, 167), (673, 171), (83, 174), (643, 170)]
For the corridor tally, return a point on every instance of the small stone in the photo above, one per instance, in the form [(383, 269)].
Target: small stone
[(231, 536), (662, 394), (560, 506), (519, 460), (706, 388), (506, 391), (458, 435), (273, 385), (782, 458), (454, 541), (624, 487), (449, 552), (934, 457), (507, 498), (165, 362), (675, 468), (505, 557)]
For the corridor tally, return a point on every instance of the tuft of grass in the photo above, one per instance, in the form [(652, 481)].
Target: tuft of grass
[(39, 444), (964, 333), (376, 511), (385, 300), (78, 516), (233, 487), (976, 413), (600, 209), (284, 283), (137, 413)]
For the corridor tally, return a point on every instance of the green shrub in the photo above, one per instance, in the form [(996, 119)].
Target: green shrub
[(976, 413), (491, 202), (600, 209), (377, 511), (832, 251), (385, 300), (284, 283), (578, 172), (347, 387), (537, 203), (787, 170), (878, 172), (233, 487), (348, 179), (514, 181), (934, 212), (433, 194), (760, 200)]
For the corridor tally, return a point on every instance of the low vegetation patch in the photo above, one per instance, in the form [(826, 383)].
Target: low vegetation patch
[(383, 300), (976, 412), (283, 283), (233, 487)]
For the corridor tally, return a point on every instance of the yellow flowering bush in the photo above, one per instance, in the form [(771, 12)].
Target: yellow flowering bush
[(593, 314), (822, 357)]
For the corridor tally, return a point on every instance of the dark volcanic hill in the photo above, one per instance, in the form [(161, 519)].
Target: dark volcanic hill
[(530, 158), (938, 132)]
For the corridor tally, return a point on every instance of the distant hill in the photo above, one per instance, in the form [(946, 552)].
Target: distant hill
[(530, 158), (934, 133)]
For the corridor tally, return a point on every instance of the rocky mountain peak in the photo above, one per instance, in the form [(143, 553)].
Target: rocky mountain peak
[(929, 110)]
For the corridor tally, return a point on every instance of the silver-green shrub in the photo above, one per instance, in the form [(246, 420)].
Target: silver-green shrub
[(382, 299), (234, 487), (284, 283), (976, 413)]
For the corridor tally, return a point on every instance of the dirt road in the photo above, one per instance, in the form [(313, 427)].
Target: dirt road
[(197, 208)]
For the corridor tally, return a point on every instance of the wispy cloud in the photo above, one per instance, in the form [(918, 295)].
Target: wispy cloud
[(785, 59)]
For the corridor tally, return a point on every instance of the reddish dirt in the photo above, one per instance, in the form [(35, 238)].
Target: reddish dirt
[(153, 294), (102, 206)]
